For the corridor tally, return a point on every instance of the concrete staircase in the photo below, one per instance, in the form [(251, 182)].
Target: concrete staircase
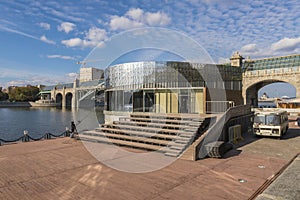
[(170, 134)]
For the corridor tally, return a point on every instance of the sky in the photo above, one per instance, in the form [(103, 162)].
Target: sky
[(41, 41)]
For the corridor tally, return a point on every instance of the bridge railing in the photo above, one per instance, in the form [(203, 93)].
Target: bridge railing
[(275, 71)]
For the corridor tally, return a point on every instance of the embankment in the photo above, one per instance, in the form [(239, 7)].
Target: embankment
[(14, 104)]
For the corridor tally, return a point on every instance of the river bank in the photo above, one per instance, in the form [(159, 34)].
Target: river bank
[(14, 104)]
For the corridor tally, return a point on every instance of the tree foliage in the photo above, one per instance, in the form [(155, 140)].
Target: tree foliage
[(28, 93), (3, 96)]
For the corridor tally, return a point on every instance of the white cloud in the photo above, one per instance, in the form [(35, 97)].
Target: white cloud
[(18, 32), (157, 19), (222, 60), (282, 47), (62, 57), (21, 77), (123, 23), (135, 13), (35, 79), (66, 27), (45, 39), (136, 17), (249, 48), (45, 26), (72, 76), (73, 42), (94, 37), (286, 44)]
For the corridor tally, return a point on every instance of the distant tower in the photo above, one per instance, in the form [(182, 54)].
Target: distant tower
[(236, 59)]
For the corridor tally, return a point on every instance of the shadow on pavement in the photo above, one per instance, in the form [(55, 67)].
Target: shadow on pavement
[(232, 153), (292, 133)]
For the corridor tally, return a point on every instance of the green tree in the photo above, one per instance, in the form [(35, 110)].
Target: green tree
[(3, 96), (28, 93)]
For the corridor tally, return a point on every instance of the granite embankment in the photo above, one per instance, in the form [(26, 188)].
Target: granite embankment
[(14, 104)]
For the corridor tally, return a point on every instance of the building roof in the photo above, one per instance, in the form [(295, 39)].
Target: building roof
[(271, 63), (296, 100)]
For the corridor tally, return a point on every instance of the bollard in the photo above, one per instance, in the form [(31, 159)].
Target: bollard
[(47, 136), (26, 139), (67, 133)]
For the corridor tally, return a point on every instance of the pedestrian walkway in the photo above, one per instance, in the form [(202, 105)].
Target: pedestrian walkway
[(286, 186), (64, 169)]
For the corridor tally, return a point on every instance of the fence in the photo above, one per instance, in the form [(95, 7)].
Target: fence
[(26, 137)]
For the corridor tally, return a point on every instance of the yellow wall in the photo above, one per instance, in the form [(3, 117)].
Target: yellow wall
[(161, 102), (199, 103), (167, 102), (174, 103)]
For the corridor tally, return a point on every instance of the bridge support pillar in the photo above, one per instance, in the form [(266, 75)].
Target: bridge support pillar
[(250, 96), (63, 103), (298, 91), (74, 104)]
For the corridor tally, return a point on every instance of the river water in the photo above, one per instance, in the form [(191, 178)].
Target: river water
[(37, 121)]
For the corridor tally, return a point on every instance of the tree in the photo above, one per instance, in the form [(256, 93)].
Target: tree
[(28, 93), (3, 96)]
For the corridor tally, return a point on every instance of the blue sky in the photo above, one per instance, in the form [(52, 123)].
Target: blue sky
[(41, 41)]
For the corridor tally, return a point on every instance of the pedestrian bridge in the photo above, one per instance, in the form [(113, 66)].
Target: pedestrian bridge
[(261, 72), (71, 94)]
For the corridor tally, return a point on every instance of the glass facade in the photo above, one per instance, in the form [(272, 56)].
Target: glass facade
[(166, 87), (272, 63)]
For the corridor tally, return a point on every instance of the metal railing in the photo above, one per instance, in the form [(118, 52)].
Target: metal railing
[(215, 107)]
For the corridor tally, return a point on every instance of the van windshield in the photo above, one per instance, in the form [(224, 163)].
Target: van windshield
[(270, 119), (260, 119)]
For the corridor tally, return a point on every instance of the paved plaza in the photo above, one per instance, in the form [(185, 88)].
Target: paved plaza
[(64, 169)]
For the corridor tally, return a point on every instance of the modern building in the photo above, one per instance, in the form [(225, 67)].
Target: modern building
[(173, 87)]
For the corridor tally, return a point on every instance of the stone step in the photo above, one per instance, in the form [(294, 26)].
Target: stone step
[(163, 121), (187, 117), (151, 147), (179, 148), (140, 133), (143, 128), (172, 154), (185, 135), (180, 145), (175, 151), (182, 141), (157, 125)]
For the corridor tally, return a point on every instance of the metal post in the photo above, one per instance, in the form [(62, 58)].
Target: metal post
[(26, 136)]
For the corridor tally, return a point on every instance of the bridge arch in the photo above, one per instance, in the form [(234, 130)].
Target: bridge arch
[(250, 89), (59, 98), (68, 99)]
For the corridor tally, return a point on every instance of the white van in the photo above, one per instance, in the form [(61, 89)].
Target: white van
[(270, 123)]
